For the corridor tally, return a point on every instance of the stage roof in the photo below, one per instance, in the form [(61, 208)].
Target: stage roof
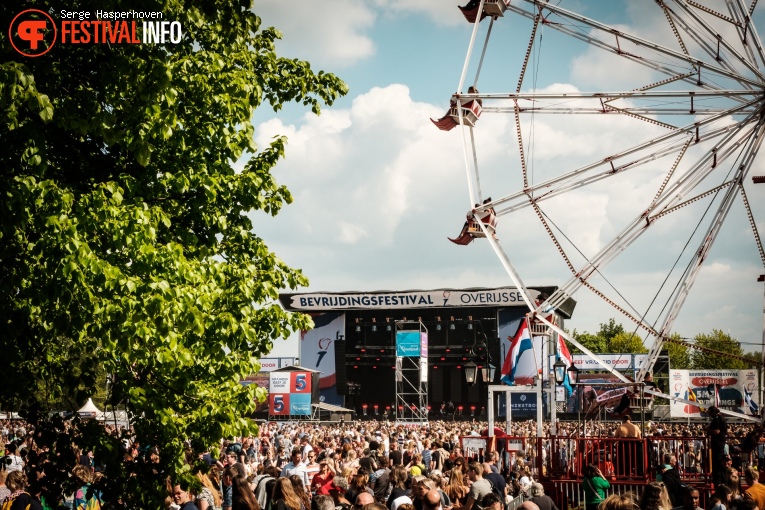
[(501, 297)]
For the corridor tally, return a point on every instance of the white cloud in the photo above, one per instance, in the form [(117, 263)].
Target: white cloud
[(330, 33)]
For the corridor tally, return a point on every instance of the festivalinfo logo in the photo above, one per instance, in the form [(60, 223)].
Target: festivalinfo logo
[(33, 32)]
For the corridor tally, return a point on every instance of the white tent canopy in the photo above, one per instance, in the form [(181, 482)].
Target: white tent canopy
[(90, 410)]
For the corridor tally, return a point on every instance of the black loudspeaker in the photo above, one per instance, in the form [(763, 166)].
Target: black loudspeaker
[(315, 379), (341, 379)]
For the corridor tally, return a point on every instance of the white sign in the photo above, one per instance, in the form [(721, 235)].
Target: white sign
[(508, 296), (616, 361), (731, 387), (280, 382), (317, 346)]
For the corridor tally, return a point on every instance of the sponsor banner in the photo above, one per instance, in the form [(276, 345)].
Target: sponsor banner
[(317, 346), (731, 386), (271, 364), (300, 382), (280, 382), (408, 343), (616, 361), (300, 404), (279, 404), (508, 296)]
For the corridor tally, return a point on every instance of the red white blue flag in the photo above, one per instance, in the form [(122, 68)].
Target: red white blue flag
[(520, 343)]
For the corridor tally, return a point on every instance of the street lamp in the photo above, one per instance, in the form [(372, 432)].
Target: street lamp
[(470, 372), (573, 374), (559, 369), (488, 373)]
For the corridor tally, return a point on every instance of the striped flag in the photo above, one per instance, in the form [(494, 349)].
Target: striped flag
[(565, 355), (520, 343), (753, 407)]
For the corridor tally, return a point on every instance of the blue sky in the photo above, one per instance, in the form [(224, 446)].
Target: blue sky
[(378, 189)]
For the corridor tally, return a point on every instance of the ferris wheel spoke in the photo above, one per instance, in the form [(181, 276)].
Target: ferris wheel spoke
[(693, 268), (517, 201), (692, 177), (713, 50), (677, 57), (581, 177), (746, 30)]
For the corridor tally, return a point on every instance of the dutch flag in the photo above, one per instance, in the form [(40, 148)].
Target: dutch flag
[(520, 343), (753, 407)]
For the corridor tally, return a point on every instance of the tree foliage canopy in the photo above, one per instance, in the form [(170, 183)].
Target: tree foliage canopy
[(125, 242)]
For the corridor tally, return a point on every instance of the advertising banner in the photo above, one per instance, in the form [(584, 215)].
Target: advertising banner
[(290, 394), (317, 346), (408, 343), (736, 390)]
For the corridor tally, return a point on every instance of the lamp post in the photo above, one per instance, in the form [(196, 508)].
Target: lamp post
[(470, 372)]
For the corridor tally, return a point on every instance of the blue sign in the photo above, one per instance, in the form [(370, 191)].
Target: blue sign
[(300, 404), (524, 405), (408, 343)]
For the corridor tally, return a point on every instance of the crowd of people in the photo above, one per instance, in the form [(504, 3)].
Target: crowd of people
[(379, 465)]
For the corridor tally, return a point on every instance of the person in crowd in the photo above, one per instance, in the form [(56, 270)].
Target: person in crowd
[(655, 497), (296, 467), (691, 499), (492, 501), (321, 480), (717, 433), (379, 481), (19, 499), (322, 502), (478, 489), (311, 466), (595, 486), (755, 490), (209, 497), (263, 486), (362, 500), (733, 481), (673, 483), (243, 497), (182, 497), (337, 490), (720, 499), (284, 496), (300, 490), (358, 484), (542, 500), (623, 501), (398, 495), (227, 483), (457, 487), (84, 495), (4, 491), (496, 480)]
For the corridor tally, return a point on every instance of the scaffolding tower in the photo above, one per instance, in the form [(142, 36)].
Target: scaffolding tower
[(411, 372)]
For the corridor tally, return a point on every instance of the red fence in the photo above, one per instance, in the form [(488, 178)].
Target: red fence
[(628, 464)]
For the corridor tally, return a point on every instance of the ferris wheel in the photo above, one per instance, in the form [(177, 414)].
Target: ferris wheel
[(695, 111)]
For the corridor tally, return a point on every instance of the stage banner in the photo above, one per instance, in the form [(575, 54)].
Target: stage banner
[(408, 343), (736, 390), (317, 347), (424, 357)]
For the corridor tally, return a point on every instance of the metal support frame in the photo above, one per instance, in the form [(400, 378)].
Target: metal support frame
[(412, 380), (507, 390)]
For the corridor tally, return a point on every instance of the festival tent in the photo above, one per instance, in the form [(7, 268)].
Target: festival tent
[(89, 410)]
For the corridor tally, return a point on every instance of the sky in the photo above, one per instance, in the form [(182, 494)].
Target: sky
[(378, 189)]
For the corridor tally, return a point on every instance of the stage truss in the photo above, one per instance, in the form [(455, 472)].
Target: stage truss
[(706, 103)]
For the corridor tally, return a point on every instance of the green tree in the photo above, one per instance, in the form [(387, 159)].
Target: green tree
[(610, 329), (626, 343), (126, 242), (725, 346), (595, 343), (680, 355)]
